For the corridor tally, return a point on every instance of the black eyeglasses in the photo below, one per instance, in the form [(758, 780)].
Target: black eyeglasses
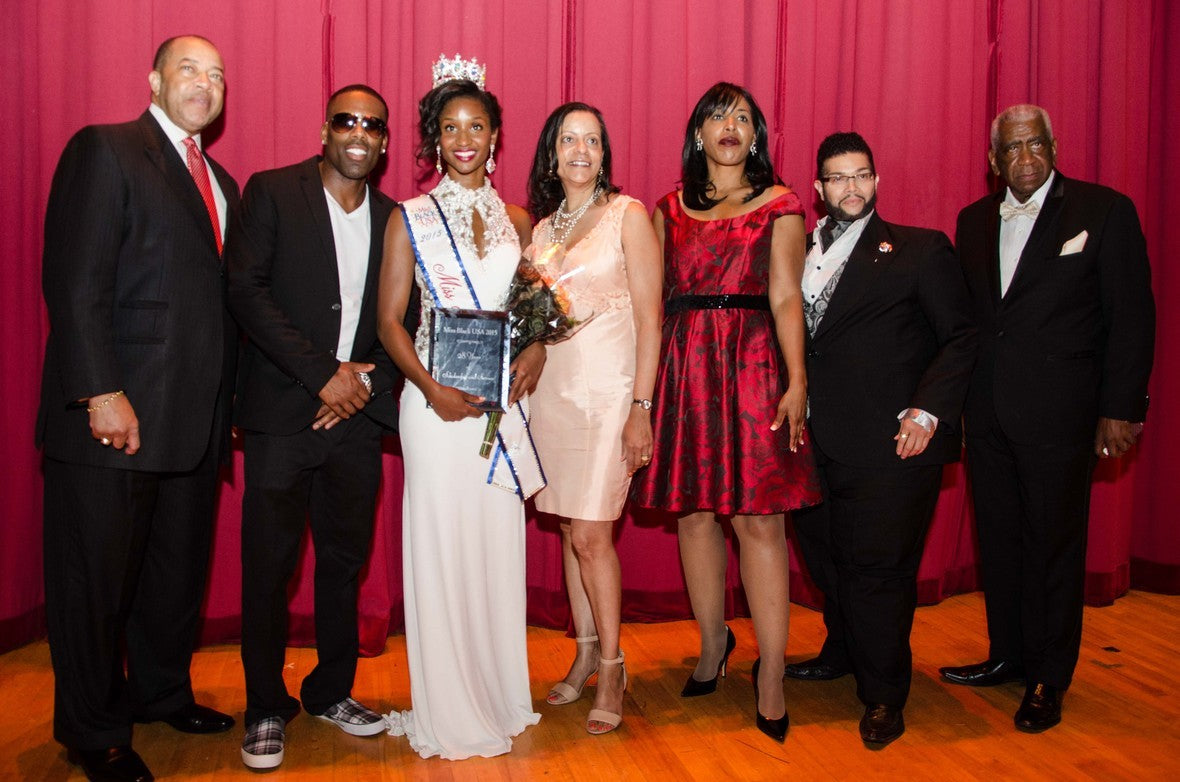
[(343, 123)]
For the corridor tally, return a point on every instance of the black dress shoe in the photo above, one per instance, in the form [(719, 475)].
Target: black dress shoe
[(113, 764), (815, 669), (1040, 709), (693, 688), (985, 674), (195, 718), (775, 729), (881, 724)]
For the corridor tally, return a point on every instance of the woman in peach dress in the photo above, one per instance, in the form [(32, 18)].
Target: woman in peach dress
[(591, 408)]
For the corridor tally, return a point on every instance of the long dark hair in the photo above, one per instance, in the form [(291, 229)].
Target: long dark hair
[(694, 168), (545, 191), (432, 105)]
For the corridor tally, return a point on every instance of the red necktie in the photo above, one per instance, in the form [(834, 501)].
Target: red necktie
[(196, 167)]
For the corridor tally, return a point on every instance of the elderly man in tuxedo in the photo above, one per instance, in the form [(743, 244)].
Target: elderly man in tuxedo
[(137, 379), (891, 346), (1061, 287), (313, 398)]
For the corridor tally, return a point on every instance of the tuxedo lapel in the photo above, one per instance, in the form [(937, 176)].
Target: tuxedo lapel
[(166, 159), (859, 272), (1043, 230), (993, 250)]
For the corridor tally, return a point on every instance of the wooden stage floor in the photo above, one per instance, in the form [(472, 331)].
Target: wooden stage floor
[(1121, 715)]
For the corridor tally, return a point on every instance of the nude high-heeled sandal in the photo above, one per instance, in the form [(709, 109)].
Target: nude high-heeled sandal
[(561, 693), (601, 721)]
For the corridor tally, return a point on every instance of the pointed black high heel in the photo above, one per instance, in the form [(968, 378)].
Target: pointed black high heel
[(693, 688), (776, 729)]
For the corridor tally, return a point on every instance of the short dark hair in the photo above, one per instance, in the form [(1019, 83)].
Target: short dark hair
[(433, 103), (545, 191), (841, 144), (166, 49), (366, 89), (694, 168)]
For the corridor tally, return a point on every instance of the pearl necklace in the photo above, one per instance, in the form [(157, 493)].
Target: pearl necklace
[(563, 222)]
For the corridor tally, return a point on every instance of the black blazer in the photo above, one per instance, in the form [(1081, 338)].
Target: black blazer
[(1073, 338), (136, 297), (284, 291), (897, 334)]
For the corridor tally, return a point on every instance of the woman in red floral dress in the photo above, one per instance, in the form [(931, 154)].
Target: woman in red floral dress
[(731, 392)]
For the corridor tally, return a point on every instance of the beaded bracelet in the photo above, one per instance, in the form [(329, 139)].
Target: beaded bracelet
[(106, 401)]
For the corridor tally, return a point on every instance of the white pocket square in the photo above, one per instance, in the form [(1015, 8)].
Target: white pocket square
[(1075, 245)]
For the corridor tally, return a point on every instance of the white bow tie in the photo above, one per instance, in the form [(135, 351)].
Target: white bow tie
[(1029, 209)]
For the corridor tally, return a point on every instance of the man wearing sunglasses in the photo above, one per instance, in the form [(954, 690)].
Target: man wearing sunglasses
[(313, 399), (890, 350), (134, 415)]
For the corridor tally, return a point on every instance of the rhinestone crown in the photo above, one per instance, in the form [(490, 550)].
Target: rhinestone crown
[(448, 70)]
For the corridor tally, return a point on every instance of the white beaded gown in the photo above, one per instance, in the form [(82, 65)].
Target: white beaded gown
[(463, 545)]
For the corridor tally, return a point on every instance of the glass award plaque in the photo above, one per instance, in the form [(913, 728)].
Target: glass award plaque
[(469, 350)]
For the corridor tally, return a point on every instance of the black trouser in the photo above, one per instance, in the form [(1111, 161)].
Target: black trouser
[(1032, 504), (863, 545), (330, 477), (126, 557)]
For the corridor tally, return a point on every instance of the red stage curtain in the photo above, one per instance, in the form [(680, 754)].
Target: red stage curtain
[(920, 80)]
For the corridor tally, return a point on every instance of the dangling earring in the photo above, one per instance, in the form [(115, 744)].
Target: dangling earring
[(754, 147), (602, 175), (700, 144), (490, 166), (438, 158)]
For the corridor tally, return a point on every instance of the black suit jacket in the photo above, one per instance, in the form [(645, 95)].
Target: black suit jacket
[(1073, 337), (284, 291), (136, 297), (897, 334)]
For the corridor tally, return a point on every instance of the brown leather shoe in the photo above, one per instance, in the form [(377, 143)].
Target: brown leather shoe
[(1040, 709), (985, 674), (113, 764), (814, 670), (880, 725)]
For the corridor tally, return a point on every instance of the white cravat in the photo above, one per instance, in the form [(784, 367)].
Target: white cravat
[(1014, 232)]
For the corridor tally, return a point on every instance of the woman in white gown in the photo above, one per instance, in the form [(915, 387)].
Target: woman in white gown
[(463, 538)]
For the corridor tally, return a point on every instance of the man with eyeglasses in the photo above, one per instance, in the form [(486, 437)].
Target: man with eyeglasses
[(890, 349), (134, 414), (1061, 286), (313, 398)]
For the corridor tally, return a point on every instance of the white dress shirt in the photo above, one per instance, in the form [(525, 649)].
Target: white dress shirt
[(1014, 233)]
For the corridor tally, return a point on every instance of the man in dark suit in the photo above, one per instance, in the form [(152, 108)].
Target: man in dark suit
[(1061, 287), (891, 348), (304, 255), (137, 380)]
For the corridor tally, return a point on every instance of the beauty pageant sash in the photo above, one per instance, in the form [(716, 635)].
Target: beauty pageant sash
[(515, 465)]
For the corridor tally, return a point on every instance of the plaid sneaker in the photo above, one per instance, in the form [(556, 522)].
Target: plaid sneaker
[(354, 718), (263, 745)]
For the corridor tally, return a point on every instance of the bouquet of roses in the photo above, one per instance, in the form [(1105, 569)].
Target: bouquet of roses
[(539, 308)]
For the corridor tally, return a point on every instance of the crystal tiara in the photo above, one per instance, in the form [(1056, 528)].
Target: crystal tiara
[(448, 70)]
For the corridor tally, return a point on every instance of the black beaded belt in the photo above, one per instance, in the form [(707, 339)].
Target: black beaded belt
[(726, 301)]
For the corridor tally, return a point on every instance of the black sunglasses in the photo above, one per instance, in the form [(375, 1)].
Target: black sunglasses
[(344, 122)]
